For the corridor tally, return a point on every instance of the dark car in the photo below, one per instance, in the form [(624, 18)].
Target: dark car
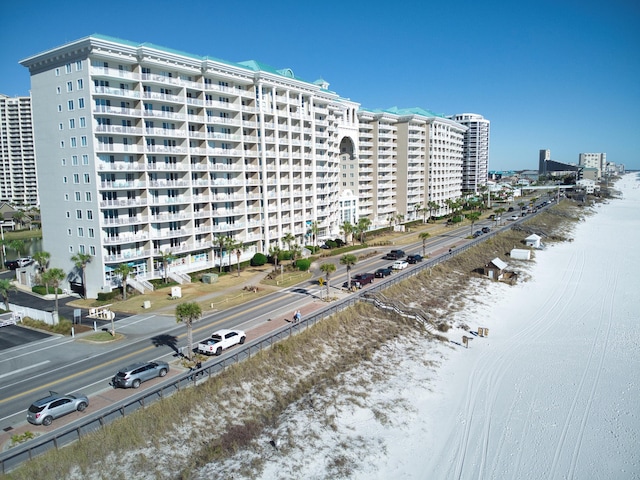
[(486, 229), (394, 255), (383, 272), (414, 258), (364, 278), (11, 264)]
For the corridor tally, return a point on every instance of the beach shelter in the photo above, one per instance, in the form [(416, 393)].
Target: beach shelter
[(533, 240), (495, 269)]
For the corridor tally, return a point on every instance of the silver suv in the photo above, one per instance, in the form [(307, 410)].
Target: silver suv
[(134, 375), (43, 411)]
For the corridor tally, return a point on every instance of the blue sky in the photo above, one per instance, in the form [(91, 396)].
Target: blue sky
[(563, 75)]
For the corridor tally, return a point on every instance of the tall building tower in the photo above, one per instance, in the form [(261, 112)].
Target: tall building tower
[(148, 153), (594, 160), (475, 162), (18, 180)]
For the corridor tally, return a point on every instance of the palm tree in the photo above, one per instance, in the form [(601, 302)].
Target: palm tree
[(18, 246), (315, 229), (289, 239), (363, 226), (328, 269), (274, 251), (188, 313), (54, 277), (473, 216), (6, 286), (81, 260), (219, 241), (123, 270), (431, 206), (423, 236), (43, 260), (349, 260), (167, 257), (346, 229)]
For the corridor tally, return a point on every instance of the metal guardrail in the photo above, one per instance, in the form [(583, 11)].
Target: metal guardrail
[(63, 436)]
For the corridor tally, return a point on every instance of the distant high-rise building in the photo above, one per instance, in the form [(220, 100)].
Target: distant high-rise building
[(594, 160), (18, 181), (475, 154)]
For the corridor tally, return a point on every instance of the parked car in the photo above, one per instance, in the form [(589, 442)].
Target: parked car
[(45, 410), (364, 278), (221, 340), (486, 229), (414, 258), (11, 264), (24, 261), (394, 255), (399, 265), (133, 375), (383, 272)]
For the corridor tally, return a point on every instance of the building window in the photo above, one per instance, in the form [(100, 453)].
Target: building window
[(83, 122), (85, 159), (78, 214), (87, 178), (89, 214), (81, 103), (87, 196), (90, 233), (70, 105), (92, 250), (77, 195), (80, 232), (69, 86), (72, 123)]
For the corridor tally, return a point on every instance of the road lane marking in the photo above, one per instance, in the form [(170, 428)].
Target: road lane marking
[(24, 369)]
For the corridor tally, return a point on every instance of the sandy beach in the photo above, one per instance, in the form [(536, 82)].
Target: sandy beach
[(551, 393)]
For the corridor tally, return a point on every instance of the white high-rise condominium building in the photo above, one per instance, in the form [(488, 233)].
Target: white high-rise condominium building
[(145, 152), (18, 182), (594, 160), (475, 161)]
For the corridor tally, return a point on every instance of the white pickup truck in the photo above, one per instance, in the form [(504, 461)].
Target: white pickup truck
[(221, 340)]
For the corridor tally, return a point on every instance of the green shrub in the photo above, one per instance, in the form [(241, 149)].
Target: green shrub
[(258, 260), (303, 264), (42, 290), (105, 297)]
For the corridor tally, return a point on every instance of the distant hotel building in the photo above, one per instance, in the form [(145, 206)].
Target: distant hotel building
[(18, 182), (475, 161), (594, 160), (146, 152)]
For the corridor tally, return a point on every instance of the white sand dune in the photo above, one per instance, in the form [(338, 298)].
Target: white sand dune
[(552, 393)]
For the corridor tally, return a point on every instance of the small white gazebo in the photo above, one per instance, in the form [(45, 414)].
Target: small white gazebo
[(533, 241)]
